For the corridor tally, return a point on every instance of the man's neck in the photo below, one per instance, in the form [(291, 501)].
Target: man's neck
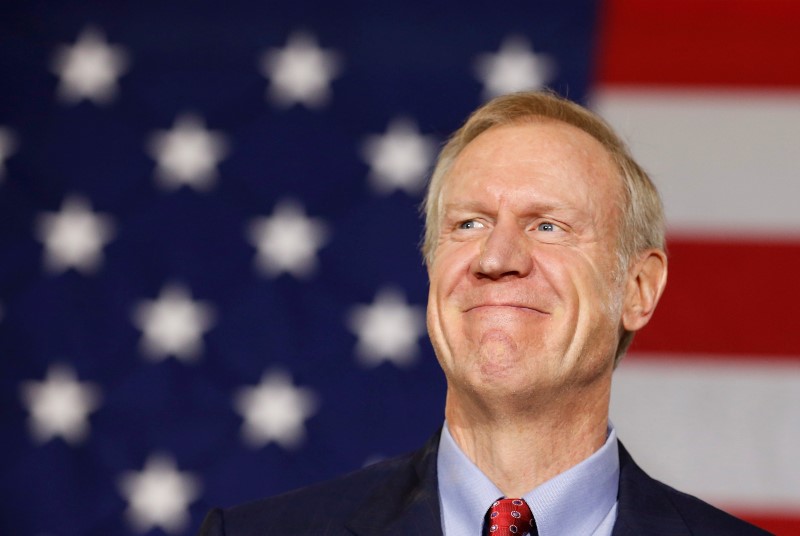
[(520, 449)]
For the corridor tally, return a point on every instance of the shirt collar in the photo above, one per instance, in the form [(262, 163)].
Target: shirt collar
[(576, 501)]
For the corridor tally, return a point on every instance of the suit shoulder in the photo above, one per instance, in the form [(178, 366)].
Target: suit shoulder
[(647, 506), (320, 508), (705, 519), (342, 489)]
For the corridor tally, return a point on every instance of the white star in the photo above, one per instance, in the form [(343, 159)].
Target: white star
[(74, 237), (274, 410), (399, 159), (301, 72), (173, 324), (8, 145), (60, 405), (159, 495), (188, 154), (388, 329), (89, 69), (514, 68), (287, 241)]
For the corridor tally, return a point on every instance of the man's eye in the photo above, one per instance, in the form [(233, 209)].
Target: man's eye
[(470, 224), (546, 226)]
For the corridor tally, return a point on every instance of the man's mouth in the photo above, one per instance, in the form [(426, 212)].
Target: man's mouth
[(500, 306)]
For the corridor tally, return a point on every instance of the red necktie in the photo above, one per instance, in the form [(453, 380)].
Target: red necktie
[(510, 517)]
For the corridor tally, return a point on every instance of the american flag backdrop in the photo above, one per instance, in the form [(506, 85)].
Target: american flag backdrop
[(210, 285)]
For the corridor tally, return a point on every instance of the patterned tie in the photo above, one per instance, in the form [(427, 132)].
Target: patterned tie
[(510, 517)]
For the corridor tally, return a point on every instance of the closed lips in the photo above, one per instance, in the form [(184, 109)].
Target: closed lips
[(510, 305)]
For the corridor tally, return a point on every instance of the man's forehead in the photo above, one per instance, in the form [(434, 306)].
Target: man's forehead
[(553, 149), (539, 134)]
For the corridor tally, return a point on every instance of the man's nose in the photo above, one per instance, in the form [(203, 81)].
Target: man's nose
[(505, 252)]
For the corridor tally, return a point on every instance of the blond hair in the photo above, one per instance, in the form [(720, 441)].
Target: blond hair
[(642, 221)]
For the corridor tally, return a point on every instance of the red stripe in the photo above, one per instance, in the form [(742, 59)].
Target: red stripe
[(786, 525), (742, 43), (729, 299)]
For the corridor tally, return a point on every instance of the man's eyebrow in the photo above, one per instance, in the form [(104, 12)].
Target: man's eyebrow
[(544, 206), (465, 206)]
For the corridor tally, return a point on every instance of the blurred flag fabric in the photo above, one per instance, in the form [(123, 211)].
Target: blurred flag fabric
[(710, 398), (210, 285)]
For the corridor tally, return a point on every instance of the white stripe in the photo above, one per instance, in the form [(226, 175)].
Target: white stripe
[(725, 162), (727, 432)]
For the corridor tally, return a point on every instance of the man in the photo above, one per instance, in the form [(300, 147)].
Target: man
[(544, 244)]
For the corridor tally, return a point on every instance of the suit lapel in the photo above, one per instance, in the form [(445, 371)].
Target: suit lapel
[(407, 503), (643, 507)]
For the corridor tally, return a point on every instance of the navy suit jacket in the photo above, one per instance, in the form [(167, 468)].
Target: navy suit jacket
[(399, 497)]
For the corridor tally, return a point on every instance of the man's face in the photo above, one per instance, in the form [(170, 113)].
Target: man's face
[(524, 294)]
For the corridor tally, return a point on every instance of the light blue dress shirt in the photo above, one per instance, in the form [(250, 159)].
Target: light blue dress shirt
[(581, 501)]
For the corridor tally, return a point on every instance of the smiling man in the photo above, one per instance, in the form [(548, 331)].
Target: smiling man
[(544, 243)]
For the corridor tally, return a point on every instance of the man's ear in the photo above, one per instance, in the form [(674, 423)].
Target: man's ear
[(646, 281)]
